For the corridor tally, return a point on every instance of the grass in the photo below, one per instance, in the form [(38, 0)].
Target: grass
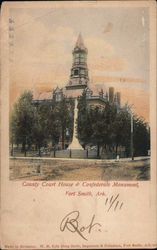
[(79, 170), (133, 170)]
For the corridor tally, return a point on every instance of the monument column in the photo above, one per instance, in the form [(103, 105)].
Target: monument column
[(75, 142)]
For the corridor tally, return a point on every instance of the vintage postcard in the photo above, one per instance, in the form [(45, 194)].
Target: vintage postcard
[(78, 125)]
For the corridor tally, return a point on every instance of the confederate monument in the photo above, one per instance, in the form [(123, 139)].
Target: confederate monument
[(78, 80)]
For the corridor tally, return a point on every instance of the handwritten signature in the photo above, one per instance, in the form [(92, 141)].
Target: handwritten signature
[(71, 223)]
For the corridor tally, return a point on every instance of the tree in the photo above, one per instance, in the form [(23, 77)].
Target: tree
[(122, 129), (109, 117), (97, 122), (110, 127), (40, 129), (141, 137), (107, 127), (65, 118), (22, 121), (53, 123), (12, 130), (84, 123)]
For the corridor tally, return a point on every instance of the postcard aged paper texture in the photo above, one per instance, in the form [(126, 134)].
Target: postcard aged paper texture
[(78, 125)]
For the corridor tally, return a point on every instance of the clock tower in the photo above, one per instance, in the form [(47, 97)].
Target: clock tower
[(79, 71)]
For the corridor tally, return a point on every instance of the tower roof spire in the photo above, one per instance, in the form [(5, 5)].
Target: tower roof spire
[(80, 43)]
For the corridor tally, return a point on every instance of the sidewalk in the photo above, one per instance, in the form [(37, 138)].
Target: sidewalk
[(79, 159)]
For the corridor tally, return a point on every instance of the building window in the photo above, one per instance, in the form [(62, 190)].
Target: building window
[(77, 61), (82, 60), (76, 56), (58, 97), (76, 72), (82, 71)]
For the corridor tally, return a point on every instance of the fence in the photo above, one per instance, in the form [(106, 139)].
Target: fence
[(79, 154), (82, 154)]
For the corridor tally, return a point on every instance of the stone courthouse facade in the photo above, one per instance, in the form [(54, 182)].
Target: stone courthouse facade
[(78, 82)]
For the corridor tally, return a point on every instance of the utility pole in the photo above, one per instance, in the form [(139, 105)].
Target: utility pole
[(132, 133)]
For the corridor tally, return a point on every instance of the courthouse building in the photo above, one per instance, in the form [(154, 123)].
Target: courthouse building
[(78, 82)]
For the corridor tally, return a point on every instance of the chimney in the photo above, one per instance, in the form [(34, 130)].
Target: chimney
[(111, 94), (118, 98)]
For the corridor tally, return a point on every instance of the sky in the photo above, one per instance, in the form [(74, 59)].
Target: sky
[(117, 40)]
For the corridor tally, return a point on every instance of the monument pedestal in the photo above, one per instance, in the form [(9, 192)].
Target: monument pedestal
[(75, 145)]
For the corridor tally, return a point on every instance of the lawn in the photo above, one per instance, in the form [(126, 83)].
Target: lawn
[(74, 170)]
